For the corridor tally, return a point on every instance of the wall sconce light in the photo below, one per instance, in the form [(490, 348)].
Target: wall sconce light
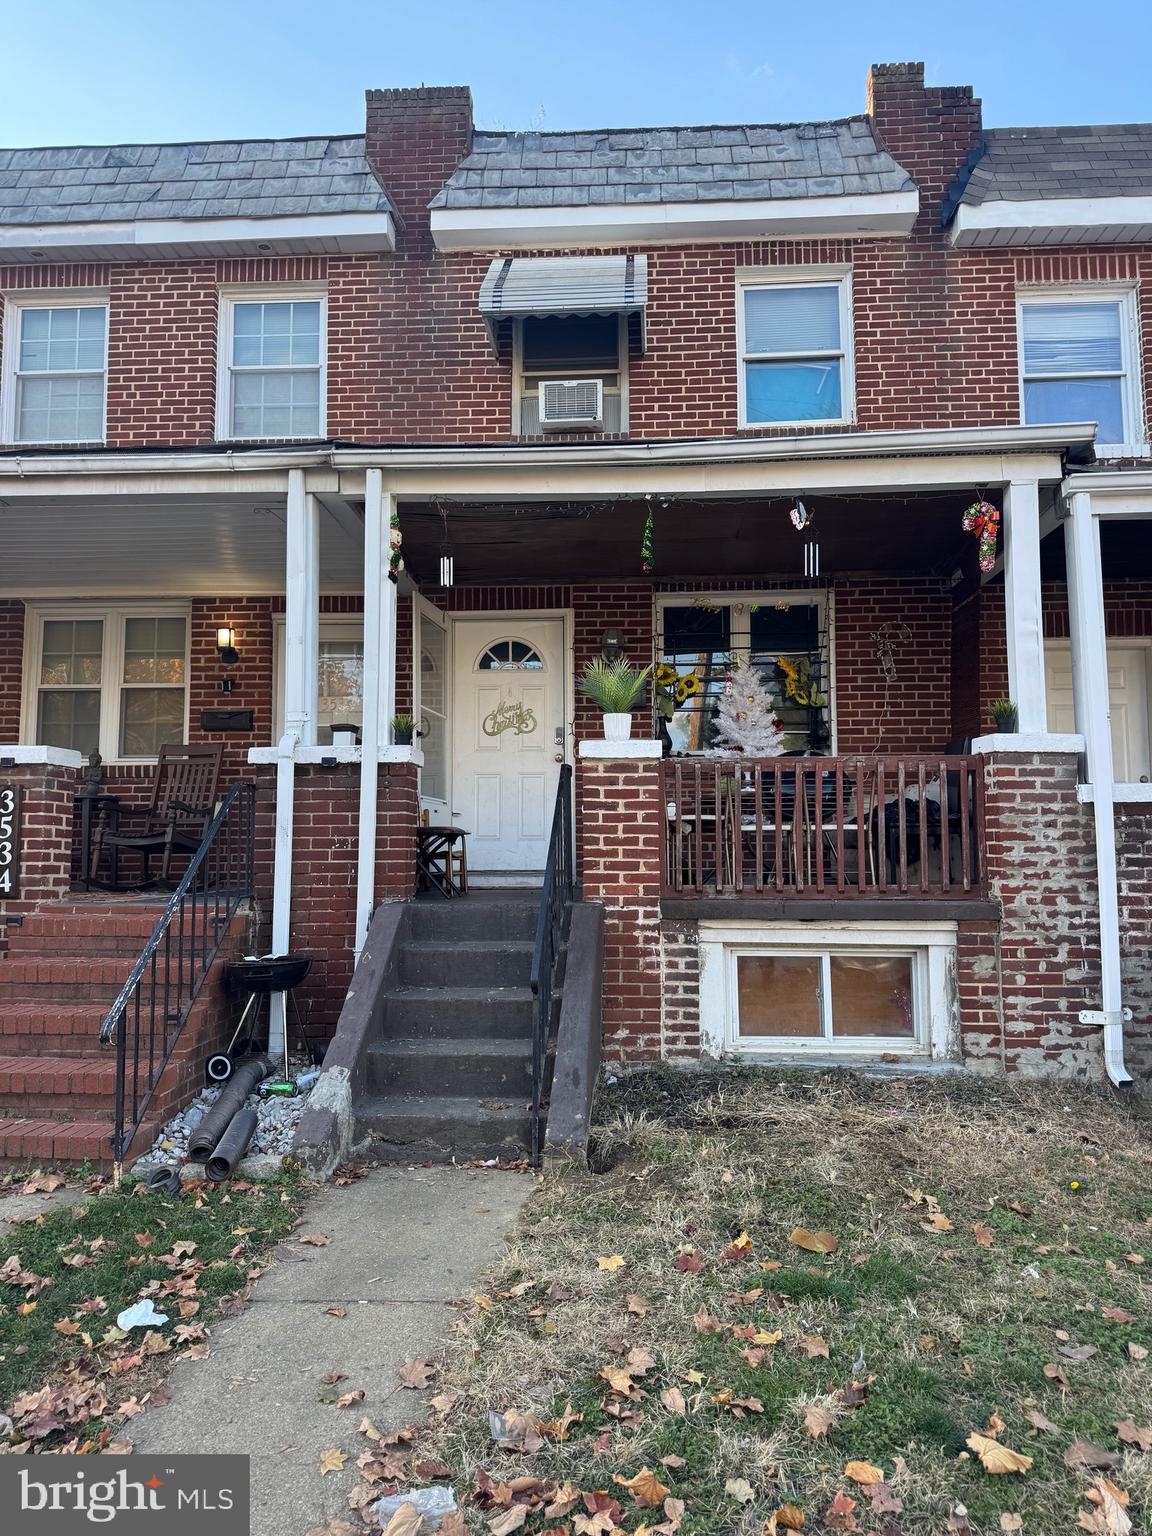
[(612, 645), (226, 645)]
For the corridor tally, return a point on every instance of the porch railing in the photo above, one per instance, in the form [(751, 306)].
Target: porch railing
[(833, 827), (551, 933), (153, 1006)]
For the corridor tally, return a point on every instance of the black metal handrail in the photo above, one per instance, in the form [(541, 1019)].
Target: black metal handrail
[(154, 1003), (551, 934)]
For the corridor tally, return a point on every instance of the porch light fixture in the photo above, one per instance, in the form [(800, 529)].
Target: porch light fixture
[(612, 645), (226, 645)]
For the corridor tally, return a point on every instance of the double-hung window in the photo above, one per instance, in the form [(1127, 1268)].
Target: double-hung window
[(55, 371), (795, 337), (1078, 362), (272, 377), (108, 680)]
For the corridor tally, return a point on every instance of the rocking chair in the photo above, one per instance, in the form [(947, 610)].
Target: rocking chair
[(182, 805)]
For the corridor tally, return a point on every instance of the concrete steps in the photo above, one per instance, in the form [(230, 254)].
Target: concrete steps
[(451, 1076)]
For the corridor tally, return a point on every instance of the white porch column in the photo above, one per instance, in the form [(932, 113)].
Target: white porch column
[(301, 610), (1022, 605), (379, 684), (301, 657), (1094, 722)]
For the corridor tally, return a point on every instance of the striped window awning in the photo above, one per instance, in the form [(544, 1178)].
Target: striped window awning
[(516, 286)]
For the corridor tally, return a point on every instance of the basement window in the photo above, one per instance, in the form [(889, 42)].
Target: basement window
[(570, 348), (826, 999)]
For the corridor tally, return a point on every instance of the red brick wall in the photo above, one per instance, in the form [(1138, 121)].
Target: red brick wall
[(45, 868), (1134, 884), (11, 669)]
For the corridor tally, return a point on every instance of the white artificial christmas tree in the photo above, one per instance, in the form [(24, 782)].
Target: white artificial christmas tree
[(745, 720)]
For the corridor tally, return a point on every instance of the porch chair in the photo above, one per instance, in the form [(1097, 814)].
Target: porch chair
[(181, 806)]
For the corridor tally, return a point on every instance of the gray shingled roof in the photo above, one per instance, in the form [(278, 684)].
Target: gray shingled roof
[(239, 179), (672, 165), (1022, 164)]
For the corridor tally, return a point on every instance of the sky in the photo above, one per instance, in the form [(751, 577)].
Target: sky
[(116, 71)]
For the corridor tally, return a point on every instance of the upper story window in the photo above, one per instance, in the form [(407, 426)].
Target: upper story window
[(1079, 362), (273, 363), (795, 338), (571, 349), (55, 371)]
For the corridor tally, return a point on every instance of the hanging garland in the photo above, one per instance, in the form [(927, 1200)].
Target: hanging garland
[(982, 520), (395, 539), (647, 551)]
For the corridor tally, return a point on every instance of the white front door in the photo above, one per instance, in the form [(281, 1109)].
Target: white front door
[(508, 737), (1127, 703)]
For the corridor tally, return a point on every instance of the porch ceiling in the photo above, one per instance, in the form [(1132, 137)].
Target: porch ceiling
[(175, 546), (584, 541)]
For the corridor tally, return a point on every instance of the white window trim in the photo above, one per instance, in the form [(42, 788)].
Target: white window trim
[(15, 304), (113, 617), (265, 294), (567, 373), (335, 626), (1135, 443), (740, 626), (931, 944), (837, 276)]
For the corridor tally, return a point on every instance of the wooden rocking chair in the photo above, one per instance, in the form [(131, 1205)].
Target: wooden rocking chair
[(181, 807)]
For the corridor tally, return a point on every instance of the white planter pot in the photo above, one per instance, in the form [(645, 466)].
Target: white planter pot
[(617, 727)]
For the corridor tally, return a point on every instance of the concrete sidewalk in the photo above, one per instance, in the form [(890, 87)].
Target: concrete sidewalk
[(404, 1243)]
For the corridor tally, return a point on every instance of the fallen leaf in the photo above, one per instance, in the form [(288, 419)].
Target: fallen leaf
[(335, 1311), (407, 1521), (314, 1240), (639, 1306), (1082, 1453), (704, 1322), (611, 1264), (839, 1515), (770, 1266), (416, 1374), (1137, 1351), (1041, 1421), (67, 1327), (813, 1242), (937, 1222), (740, 1489), (813, 1346), (350, 1399), (818, 1421), (1134, 1258), (646, 1488), (863, 1472), (1117, 1315), (513, 1430), (997, 1458), (1054, 1373), (689, 1263), (983, 1233), (1130, 1433), (787, 1518), (332, 1461), (332, 1378), (505, 1523), (673, 1400), (741, 1248), (1078, 1352), (1011, 1523), (1110, 1517)]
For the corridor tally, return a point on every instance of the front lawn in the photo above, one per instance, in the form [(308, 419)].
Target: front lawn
[(69, 1378), (672, 1332)]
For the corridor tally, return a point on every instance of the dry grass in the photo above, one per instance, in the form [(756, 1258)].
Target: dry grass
[(943, 1331)]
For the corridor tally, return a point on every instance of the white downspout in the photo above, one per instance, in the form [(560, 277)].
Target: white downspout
[(301, 657), (377, 517), (1093, 720)]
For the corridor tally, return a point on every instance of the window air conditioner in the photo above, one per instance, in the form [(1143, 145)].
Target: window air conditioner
[(571, 403)]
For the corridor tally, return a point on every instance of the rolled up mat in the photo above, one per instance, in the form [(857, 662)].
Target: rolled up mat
[(232, 1145), (164, 1180), (252, 1070)]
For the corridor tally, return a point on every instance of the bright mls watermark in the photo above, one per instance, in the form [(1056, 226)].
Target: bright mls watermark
[(135, 1495)]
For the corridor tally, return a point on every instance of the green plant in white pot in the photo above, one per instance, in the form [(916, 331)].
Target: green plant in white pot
[(614, 686)]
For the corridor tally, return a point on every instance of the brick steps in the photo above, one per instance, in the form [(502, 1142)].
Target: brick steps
[(41, 1140), (40, 1027), (63, 978), (38, 1085)]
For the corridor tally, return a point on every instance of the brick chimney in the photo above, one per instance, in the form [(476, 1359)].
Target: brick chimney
[(414, 140), (929, 130)]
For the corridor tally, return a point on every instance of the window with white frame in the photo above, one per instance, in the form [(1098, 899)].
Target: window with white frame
[(273, 362), (339, 678), (795, 338), (113, 681), (55, 374), (1078, 361), (846, 998), (786, 635)]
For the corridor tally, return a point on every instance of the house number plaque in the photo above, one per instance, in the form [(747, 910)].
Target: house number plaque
[(509, 717), (9, 841)]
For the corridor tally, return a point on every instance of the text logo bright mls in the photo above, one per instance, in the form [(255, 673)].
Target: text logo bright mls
[(62, 1495)]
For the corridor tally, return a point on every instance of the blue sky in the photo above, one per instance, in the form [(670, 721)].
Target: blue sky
[(108, 71)]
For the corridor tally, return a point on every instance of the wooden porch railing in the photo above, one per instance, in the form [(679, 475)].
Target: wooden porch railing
[(831, 827)]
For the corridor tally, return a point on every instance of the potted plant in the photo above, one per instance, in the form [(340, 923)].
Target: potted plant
[(1006, 716), (614, 686), (403, 729)]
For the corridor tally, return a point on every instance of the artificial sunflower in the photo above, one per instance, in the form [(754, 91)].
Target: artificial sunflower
[(687, 686), (666, 675)]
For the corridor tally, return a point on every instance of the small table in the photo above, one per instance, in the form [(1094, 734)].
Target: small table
[(98, 814), (438, 851)]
